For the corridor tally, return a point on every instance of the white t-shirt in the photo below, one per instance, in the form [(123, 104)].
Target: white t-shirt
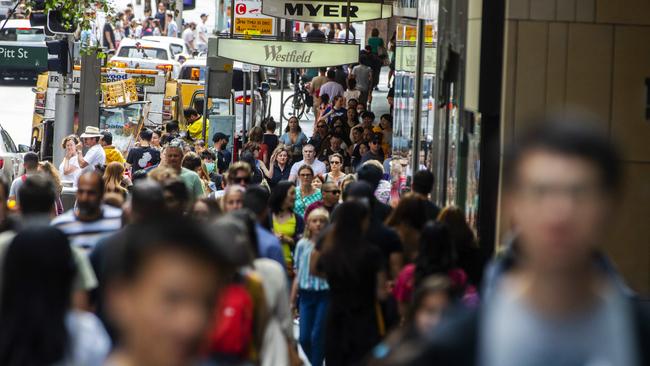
[(94, 156), (72, 177), (202, 32), (89, 342), (318, 167), (188, 37)]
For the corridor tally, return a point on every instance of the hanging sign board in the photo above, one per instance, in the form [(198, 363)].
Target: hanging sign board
[(326, 11), (286, 53), (250, 20)]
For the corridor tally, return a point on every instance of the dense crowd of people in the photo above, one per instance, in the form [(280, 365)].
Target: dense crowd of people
[(162, 261), (185, 252)]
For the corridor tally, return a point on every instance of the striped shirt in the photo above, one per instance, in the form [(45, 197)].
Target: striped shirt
[(306, 281), (86, 234)]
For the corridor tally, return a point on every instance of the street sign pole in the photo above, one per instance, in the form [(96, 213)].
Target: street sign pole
[(252, 77), (205, 104), (243, 117), (63, 117), (63, 112)]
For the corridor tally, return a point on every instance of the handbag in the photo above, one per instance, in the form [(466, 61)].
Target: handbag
[(294, 357)]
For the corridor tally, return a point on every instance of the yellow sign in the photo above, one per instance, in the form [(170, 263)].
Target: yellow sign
[(428, 33), (254, 26)]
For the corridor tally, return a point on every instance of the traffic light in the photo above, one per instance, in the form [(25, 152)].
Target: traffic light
[(38, 15), (57, 59), (57, 25)]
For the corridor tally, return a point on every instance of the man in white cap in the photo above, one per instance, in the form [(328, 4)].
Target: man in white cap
[(95, 155)]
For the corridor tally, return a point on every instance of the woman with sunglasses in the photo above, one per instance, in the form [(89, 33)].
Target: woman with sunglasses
[(335, 175), (306, 194)]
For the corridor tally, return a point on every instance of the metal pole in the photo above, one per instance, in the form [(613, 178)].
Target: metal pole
[(419, 70), (63, 110), (205, 103), (252, 77), (179, 16), (347, 23), (232, 18), (281, 97), (282, 81), (63, 120), (243, 119)]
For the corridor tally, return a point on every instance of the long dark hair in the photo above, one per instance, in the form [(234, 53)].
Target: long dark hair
[(288, 128), (345, 241), (436, 253), (279, 194), (36, 289)]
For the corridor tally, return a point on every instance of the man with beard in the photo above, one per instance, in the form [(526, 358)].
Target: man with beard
[(90, 221)]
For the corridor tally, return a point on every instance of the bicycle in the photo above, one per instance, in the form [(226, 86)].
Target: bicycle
[(298, 103)]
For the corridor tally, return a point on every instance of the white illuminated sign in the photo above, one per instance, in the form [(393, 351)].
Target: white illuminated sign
[(326, 11), (287, 54)]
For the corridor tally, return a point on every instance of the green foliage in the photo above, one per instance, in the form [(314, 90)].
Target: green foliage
[(73, 14)]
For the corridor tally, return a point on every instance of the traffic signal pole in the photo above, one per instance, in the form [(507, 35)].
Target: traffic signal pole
[(63, 113)]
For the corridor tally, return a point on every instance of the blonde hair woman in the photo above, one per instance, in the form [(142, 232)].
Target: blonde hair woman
[(114, 179), (48, 169)]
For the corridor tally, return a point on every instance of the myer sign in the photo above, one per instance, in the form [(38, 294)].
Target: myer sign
[(326, 12), (286, 53)]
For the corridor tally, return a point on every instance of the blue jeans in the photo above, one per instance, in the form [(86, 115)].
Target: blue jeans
[(313, 313)]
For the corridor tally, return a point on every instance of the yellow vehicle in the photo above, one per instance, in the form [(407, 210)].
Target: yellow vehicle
[(161, 93)]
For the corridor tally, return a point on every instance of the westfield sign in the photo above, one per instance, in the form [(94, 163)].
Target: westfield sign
[(286, 53), (275, 54)]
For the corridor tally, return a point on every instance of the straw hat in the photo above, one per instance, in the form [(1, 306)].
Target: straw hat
[(91, 131)]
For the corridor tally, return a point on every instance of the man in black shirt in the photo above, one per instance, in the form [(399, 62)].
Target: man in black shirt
[(334, 147), (143, 156), (160, 15), (108, 35), (315, 34), (375, 152), (224, 156), (423, 181)]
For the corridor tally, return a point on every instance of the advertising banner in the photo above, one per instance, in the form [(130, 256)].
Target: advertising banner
[(326, 11), (286, 53), (250, 20)]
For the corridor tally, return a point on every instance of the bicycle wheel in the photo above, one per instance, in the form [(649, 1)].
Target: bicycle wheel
[(294, 105)]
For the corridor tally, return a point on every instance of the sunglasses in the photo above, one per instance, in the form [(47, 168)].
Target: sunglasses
[(335, 162), (242, 179), (335, 191)]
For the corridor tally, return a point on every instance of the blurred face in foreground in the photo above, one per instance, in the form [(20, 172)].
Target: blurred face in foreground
[(430, 311), (559, 209), (164, 312)]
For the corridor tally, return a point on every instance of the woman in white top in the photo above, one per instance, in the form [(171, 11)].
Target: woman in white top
[(69, 168)]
